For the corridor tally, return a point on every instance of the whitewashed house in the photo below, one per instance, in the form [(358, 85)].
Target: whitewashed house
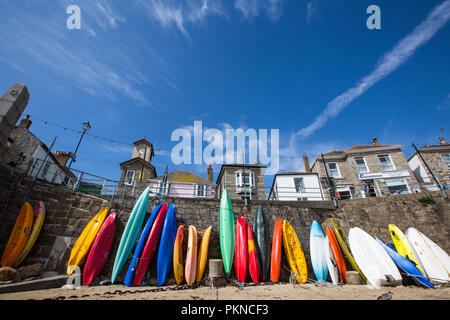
[(296, 186)]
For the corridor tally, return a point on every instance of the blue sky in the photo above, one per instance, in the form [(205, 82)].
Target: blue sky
[(147, 67)]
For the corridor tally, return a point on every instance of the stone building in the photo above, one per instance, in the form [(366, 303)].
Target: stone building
[(437, 158), (137, 171), (365, 171), (242, 181)]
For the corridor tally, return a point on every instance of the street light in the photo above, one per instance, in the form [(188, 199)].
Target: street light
[(86, 127)]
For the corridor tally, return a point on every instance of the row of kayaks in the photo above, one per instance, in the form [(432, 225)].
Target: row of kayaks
[(24, 234), (413, 255)]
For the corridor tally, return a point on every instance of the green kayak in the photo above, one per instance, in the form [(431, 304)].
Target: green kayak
[(130, 233), (343, 242), (226, 227)]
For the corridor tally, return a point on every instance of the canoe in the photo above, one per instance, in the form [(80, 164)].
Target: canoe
[(241, 250), (402, 245), (261, 232), (38, 222), (165, 251), (406, 265), (19, 235), (275, 257), (373, 260), (337, 253), (331, 262), (294, 253), (178, 268), (130, 233), (435, 261), (99, 253), (253, 262), (150, 246), (203, 254), (191, 256), (84, 241), (140, 246), (343, 242), (226, 232), (318, 260)]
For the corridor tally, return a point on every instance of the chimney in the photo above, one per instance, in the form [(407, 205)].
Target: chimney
[(62, 157), (375, 142), (443, 142), (209, 173), (306, 162), (25, 122)]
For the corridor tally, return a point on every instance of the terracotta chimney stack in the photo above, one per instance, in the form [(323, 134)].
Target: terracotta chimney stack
[(375, 142), (306, 162), (443, 140), (62, 157), (209, 173), (25, 122)]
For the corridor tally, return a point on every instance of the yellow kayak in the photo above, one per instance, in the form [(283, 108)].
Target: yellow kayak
[(178, 268), (84, 242), (39, 213), (402, 245), (294, 253), (203, 254)]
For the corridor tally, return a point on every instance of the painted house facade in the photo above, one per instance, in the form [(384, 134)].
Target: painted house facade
[(365, 171), (296, 186), (437, 157)]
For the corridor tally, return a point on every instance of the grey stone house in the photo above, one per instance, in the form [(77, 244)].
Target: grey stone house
[(437, 158), (365, 171), (242, 181)]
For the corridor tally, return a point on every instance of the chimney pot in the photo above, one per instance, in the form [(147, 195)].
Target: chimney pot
[(443, 142), (375, 142)]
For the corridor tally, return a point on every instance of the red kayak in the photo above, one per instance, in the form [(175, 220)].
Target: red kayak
[(241, 250), (338, 255), (150, 246), (275, 261), (100, 250), (253, 263)]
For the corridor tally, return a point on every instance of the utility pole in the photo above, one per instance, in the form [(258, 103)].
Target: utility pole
[(444, 194), (329, 182)]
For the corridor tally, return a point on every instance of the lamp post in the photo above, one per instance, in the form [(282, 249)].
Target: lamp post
[(86, 127)]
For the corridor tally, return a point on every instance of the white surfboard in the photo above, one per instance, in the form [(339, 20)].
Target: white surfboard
[(331, 262), (434, 260), (373, 260)]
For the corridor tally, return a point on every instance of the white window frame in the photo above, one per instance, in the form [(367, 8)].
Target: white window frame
[(132, 178), (239, 179), (200, 187), (337, 169), (447, 162), (408, 189), (390, 160), (358, 165)]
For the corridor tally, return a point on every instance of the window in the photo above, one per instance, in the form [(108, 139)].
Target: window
[(333, 168), (302, 199), (446, 157), (396, 185), (361, 165), (200, 190), (247, 179), (129, 176), (163, 188), (299, 185), (386, 163)]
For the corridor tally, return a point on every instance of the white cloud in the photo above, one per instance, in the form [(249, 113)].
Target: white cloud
[(311, 11), (445, 104), (386, 65), (253, 8)]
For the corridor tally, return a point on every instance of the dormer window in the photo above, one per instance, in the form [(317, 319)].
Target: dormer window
[(246, 179)]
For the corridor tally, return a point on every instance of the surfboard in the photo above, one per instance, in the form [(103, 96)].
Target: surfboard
[(130, 233), (38, 222), (275, 257), (241, 250), (253, 263), (434, 259), (165, 251), (84, 241), (226, 232), (203, 254), (402, 245), (337, 253), (294, 253), (191, 256), (373, 260), (331, 262), (261, 233), (178, 268), (317, 252)]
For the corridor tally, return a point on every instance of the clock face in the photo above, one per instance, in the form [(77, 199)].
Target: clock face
[(142, 151)]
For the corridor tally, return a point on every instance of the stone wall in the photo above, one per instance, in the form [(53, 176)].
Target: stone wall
[(68, 213)]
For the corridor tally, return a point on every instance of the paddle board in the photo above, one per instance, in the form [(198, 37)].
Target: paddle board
[(402, 245)]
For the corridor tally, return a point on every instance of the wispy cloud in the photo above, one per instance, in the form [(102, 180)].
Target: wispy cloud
[(392, 60), (311, 11), (253, 8), (445, 104)]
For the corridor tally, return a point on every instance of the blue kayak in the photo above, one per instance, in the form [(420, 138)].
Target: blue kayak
[(165, 251), (407, 266), (317, 242), (140, 246)]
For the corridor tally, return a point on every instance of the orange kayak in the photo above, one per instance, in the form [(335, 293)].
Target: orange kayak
[(191, 256), (253, 264), (178, 268), (338, 255), (275, 260), (19, 236)]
